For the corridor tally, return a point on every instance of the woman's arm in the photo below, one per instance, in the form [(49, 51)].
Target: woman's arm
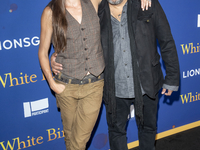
[(145, 4), (45, 41)]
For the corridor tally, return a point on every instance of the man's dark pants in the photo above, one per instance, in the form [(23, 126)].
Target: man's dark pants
[(146, 134)]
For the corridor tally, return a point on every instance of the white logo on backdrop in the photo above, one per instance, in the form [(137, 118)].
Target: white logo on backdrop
[(132, 112), (36, 107), (191, 73), (19, 43), (198, 21)]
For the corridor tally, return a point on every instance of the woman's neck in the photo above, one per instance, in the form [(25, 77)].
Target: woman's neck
[(72, 3)]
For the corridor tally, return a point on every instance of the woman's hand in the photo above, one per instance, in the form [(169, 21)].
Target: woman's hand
[(145, 4), (57, 87)]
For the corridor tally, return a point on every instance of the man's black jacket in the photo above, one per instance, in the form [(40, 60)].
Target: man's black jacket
[(148, 27)]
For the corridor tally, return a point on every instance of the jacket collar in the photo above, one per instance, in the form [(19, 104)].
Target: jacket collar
[(132, 12)]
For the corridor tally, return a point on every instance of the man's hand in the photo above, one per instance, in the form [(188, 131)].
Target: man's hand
[(167, 92), (145, 4), (56, 67)]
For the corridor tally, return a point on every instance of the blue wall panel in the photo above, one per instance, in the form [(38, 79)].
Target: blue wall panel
[(23, 88)]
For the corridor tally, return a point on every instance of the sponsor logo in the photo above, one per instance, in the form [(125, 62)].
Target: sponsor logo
[(30, 141), (19, 43), (191, 73), (36, 107), (10, 80), (198, 21), (190, 48), (190, 97)]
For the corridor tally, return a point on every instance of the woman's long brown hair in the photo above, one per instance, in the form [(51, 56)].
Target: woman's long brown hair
[(59, 23)]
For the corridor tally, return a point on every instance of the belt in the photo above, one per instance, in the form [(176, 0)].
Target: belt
[(87, 79)]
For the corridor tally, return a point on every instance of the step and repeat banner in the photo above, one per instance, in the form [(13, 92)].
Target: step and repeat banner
[(29, 118)]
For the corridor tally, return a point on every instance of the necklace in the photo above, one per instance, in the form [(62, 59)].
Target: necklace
[(116, 15)]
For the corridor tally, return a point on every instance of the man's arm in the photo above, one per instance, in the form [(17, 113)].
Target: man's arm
[(167, 89), (168, 50), (56, 67)]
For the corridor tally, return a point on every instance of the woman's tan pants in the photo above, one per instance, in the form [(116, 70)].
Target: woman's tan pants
[(79, 106)]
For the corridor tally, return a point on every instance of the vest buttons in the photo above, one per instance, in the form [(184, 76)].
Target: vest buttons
[(84, 39), (86, 49), (82, 29)]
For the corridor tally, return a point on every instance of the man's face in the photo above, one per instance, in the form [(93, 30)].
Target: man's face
[(115, 2)]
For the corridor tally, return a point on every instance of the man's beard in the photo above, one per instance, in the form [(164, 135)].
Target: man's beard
[(115, 2)]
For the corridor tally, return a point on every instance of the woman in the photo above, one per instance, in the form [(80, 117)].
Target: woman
[(72, 26)]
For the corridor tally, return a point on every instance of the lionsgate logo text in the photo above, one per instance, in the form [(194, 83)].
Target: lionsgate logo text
[(19, 43)]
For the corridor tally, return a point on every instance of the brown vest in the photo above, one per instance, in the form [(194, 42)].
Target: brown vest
[(84, 52)]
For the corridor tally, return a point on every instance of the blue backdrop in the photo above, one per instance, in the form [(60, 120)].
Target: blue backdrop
[(28, 113)]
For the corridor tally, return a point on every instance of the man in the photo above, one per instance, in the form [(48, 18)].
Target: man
[(133, 73)]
